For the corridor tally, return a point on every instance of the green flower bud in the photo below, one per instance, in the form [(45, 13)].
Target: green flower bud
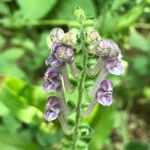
[(79, 14)]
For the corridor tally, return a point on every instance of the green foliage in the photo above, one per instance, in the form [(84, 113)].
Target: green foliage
[(24, 48), (102, 123), (35, 9), (137, 145), (68, 6)]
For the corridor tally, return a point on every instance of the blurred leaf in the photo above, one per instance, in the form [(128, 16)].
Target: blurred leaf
[(138, 41), (137, 145), (140, 64), (19, 83), (106, 28), (11, 54), (34, 95), (7, 62), (117, 4), (102, 124), (19, 108), (21, 141), (2, 40), (146, 92), (130, 17), (47, 138), (4, 8), (68, 6), (35, 9), (30, 115), (26, 43), (4, 110), (11, 123), (11, 69)]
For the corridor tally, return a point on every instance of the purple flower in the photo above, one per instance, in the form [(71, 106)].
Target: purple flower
[(52, 72), (53, 61), (64, 53), (52, 84), (54, 47), (52, 109), (104, 93), (113, 65), (107, 48)]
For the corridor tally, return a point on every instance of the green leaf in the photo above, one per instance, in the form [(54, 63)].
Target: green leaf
[(65, 8), (138, 41), (11, 123), (130, 17), (11, 55), (146, 92), (107, 28), (4, 110), (117, 4), (8, 62), (17, 141), (137, 145), (19, 83), (140, 64), (18, 104), (4, 8), (11, 69), (102, 124), (35, 9)]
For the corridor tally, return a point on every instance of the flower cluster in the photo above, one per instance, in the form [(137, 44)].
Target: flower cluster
[(62, 56), (109, 61), (56, 75)]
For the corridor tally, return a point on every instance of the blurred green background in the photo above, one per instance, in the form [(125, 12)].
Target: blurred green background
[(24, 32)]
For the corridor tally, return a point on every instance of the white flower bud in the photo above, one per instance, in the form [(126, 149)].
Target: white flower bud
[(70, 38), (56, 35), (93, 36)]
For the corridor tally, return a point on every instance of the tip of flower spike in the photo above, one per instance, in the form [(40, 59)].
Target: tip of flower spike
[(79, 14)]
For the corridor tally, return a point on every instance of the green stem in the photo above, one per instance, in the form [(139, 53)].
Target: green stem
[(80, 89), (47, 22)]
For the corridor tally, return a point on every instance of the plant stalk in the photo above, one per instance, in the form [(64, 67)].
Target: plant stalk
[(80, 90)]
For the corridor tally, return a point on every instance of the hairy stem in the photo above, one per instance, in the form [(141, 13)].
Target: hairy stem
[(80, 90)]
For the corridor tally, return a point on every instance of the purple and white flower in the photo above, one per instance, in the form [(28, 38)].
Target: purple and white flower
[(64, 53), (53, 109), (52, 84), (104, 93), (52, 72), (106, 48)]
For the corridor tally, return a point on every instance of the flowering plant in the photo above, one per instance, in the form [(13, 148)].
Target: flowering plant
[(87, 42)]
